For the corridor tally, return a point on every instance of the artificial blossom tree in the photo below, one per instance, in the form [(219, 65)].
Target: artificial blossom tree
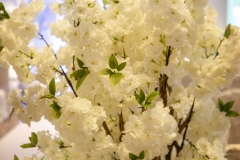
[(114, 91)]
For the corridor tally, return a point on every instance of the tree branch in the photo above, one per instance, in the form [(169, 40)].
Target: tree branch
[(63, 72)]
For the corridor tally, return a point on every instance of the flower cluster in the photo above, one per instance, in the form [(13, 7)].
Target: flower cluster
[(115, 89)]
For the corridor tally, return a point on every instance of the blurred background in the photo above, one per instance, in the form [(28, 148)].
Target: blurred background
[(13, 133)]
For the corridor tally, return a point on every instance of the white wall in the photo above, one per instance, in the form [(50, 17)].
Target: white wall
[(221, 7)]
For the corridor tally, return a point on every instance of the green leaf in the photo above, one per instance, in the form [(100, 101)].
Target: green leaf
[(113, 63), (151, 96), (34, 138), (141, 155), (3, 12), (49, 96), (80, 63), (137, 97), (133, 156), (142, 96), (106, 71), (220, 105), (1, 47), (147, 105), (10, 116), (115, 1), (227, 31), (105, 2), (15, 157), (28, 145), (56, 112), (78, 73), (52, 87), (80, 81), (121, 66), (115, 78), (228, 106), (232, 114)]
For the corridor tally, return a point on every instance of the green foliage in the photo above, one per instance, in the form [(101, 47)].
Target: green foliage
[(106, 71), (52, 90), (113, 63), (3, 12), (10, 116), (141, 155), (80, 63), (52, 87), (1, 47), (151, 96), (227, 31), (135, 157), (56, 112), (143, 101), (121, 66), (15, 157), (227, 108), (114, 76), (80, 74), (33, 142)]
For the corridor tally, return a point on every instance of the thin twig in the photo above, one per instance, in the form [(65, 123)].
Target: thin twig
[(64, 73), (104, 124), (188, 121), (25, 54), (43, 39), (217, 53)]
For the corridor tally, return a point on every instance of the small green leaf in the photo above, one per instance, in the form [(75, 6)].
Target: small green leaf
[(34, 138), (10, 116), (56, 112), (3, 12), (106, 71), (121, 66), (141, 155), (52, 87), (232, 114), (137, 97), (142, 96), (28, 145), (220, 105), (80, 63), (115, 78), (49, 96), (78, 73), (151, 96), (15, 157), (227, 31), (80, 81), (113, 63), (147, 105), (1, 47), (105, 2), (115, 1), (133, 156), (228, 106)]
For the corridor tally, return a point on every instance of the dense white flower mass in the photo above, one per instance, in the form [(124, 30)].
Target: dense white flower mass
[(115, 90)]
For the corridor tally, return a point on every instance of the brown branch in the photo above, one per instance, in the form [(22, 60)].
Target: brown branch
[(163, 88), (104, 124), (186, 128), (121, 125)]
